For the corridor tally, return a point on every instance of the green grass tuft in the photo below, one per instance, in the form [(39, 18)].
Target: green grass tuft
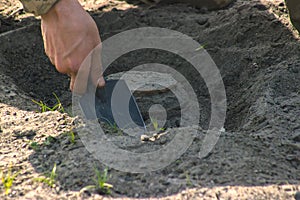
[(72, 136), (7, 180), (48, 179), (101, 184), (49, 140), (35, 146), (155, 125), (44, 108)]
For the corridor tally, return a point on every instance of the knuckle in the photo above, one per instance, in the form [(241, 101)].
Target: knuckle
[(60, 66)]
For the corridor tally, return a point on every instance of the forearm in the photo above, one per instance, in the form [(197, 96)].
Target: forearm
[(38, 7)]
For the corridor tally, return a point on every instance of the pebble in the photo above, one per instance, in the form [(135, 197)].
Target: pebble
[(57, 189), (202, 21), (24, 145), (145, 137), (76, 164), (48, 152)]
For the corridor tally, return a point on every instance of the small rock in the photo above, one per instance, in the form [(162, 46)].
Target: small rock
[(145, 137), (290, 157), (164, 182), (48, 151), (76, 164), (57, 189), (202, 21), (24, 145), (12, 94)]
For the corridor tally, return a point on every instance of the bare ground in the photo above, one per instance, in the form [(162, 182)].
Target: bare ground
[(258, 157)]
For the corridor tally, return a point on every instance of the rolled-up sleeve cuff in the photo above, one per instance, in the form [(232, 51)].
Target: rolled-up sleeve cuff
[(38, 7)]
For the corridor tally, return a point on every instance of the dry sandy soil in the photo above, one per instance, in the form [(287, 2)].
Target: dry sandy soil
[(258, 54)]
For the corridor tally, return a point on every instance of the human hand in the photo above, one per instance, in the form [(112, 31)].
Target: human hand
[(72, 43)]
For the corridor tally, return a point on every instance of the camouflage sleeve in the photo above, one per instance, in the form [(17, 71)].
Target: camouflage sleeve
[(38, 7)]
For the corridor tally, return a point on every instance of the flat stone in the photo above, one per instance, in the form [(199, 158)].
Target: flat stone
[(145, 82)]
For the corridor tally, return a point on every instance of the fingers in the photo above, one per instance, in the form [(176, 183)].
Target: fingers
[(75, 49), (79, 80), (90, 71), (80, 88), (101, 82), (96, 67)]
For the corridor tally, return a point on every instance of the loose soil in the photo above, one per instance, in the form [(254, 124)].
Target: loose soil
[(258, 156)]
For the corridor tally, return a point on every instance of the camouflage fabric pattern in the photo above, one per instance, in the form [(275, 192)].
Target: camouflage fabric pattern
[(38, 7)]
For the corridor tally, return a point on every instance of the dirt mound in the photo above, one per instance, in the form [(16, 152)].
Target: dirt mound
[(258, 157)]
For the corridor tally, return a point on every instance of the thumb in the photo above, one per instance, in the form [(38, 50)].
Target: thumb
[(80, 79), (72, 82), (96, 67), (91, 67)]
